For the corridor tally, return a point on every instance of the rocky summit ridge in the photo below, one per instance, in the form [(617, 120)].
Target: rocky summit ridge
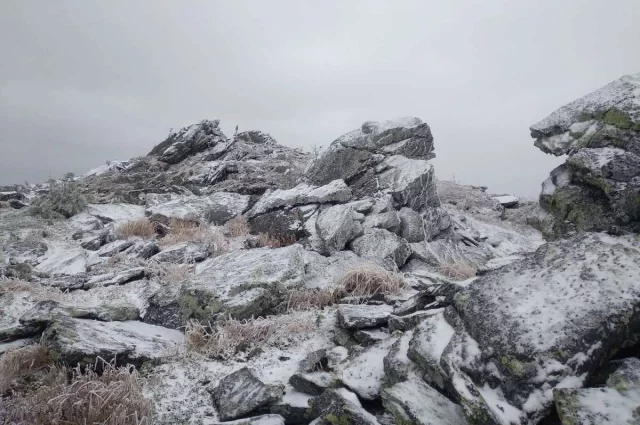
[(252, 283)]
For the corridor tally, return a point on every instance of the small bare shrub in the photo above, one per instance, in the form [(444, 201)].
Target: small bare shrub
[(457, 271), (113, 397), (371, 280), (226, 339), (64, 199), (21, 361), (237, 226), (141, 227)]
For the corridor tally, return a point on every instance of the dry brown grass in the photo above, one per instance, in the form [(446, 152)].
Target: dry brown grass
[(37, 291), (371, 280), (189, 231), (141, 227), (82, 397), (311, 299), (237, 226), (21, 361), (268, 240), (168, 272), (226, 339), (457, 271)]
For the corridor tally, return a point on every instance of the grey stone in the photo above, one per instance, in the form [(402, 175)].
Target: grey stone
[(597, 406), (241, 393), (142, 249), (25, 251), (411, 182), (218, 207), (417, 403), (368, 337), (256, 420), (12, 306), (336, 226), (383, 247), (45, 312), (397, 365), (626, 374), (185, 252), (411, 225), (115, 247), (314, 383), (409, 321), (363, 372), (341, 405), (115, 278), (282, 224), (360, 316), (387, 220)]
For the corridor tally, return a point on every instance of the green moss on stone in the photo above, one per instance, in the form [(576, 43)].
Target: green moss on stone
[(620, 120), (200, 306), (513, 365), (337, 420)]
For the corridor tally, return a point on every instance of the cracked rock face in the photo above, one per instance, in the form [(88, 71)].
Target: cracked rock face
[(599, 184)]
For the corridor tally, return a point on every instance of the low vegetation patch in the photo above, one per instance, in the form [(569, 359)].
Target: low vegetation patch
[(37, 291), (458, 271), (311, 299), (82, 397), (141, 227), (237, 226), (192, 231), (21, 361), (170, 273), (271, 241), (371, 280), (229, 338)]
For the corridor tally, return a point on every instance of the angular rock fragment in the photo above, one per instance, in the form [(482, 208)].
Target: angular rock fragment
[(383, 247), (360, 316), (336, 406)]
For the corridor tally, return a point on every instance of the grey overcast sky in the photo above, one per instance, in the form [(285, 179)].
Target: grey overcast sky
[(85, 81)]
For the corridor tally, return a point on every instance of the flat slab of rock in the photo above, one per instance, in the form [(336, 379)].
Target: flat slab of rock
[(360, 316), (313, 383), (119, 278), (12, 306), (364, 373), (241, 392), (334, 191), (507, 201), (185, 252), (65, 261), (81, 341), (115, 247), (597, 406), (417, 403), (538, 316), (219, 207)]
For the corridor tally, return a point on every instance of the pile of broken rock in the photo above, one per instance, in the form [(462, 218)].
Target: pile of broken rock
[(537, 331)]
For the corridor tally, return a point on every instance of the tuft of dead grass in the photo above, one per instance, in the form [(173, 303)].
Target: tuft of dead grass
[(20, 361), (268, 240), (371, 280), (237, 226), (311, 299), (457, 271), (81, 397), (192, 231), (141, 227), (227, 339), (37, 291), (170, 273)]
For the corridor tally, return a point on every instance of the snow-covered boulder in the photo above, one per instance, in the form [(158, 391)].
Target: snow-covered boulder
[(600, 184), (241, 283), (185, 252), (546, 321), (597, 406), (337, 406), (336, 226), (360, 316)]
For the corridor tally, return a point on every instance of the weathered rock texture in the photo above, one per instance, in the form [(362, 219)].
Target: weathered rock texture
[(599, 184)]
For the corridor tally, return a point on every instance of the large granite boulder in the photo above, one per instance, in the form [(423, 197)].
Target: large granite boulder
[(241, 284), (599, 184), (218, 208), (547, 321), (190, 140)]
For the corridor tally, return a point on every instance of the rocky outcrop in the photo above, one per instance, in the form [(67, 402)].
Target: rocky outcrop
[(599, 184), (190, 140)]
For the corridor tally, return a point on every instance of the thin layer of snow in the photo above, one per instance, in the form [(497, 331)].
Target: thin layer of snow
[(64, 260), (604, 406), (506, 199), (364, 373), (117, 213), (499, 406)]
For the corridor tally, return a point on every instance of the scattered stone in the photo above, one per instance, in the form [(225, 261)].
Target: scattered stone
[(364, 373), (397, 365), (410, 321), (115, 247), (294, 407), (411, 225), (388, 220), (116, 278), (185, 252), (368, 337), (336, 226), (314, 383), (142, 249), (360, 316), (241, 393), (507, 201), (217, 208)]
